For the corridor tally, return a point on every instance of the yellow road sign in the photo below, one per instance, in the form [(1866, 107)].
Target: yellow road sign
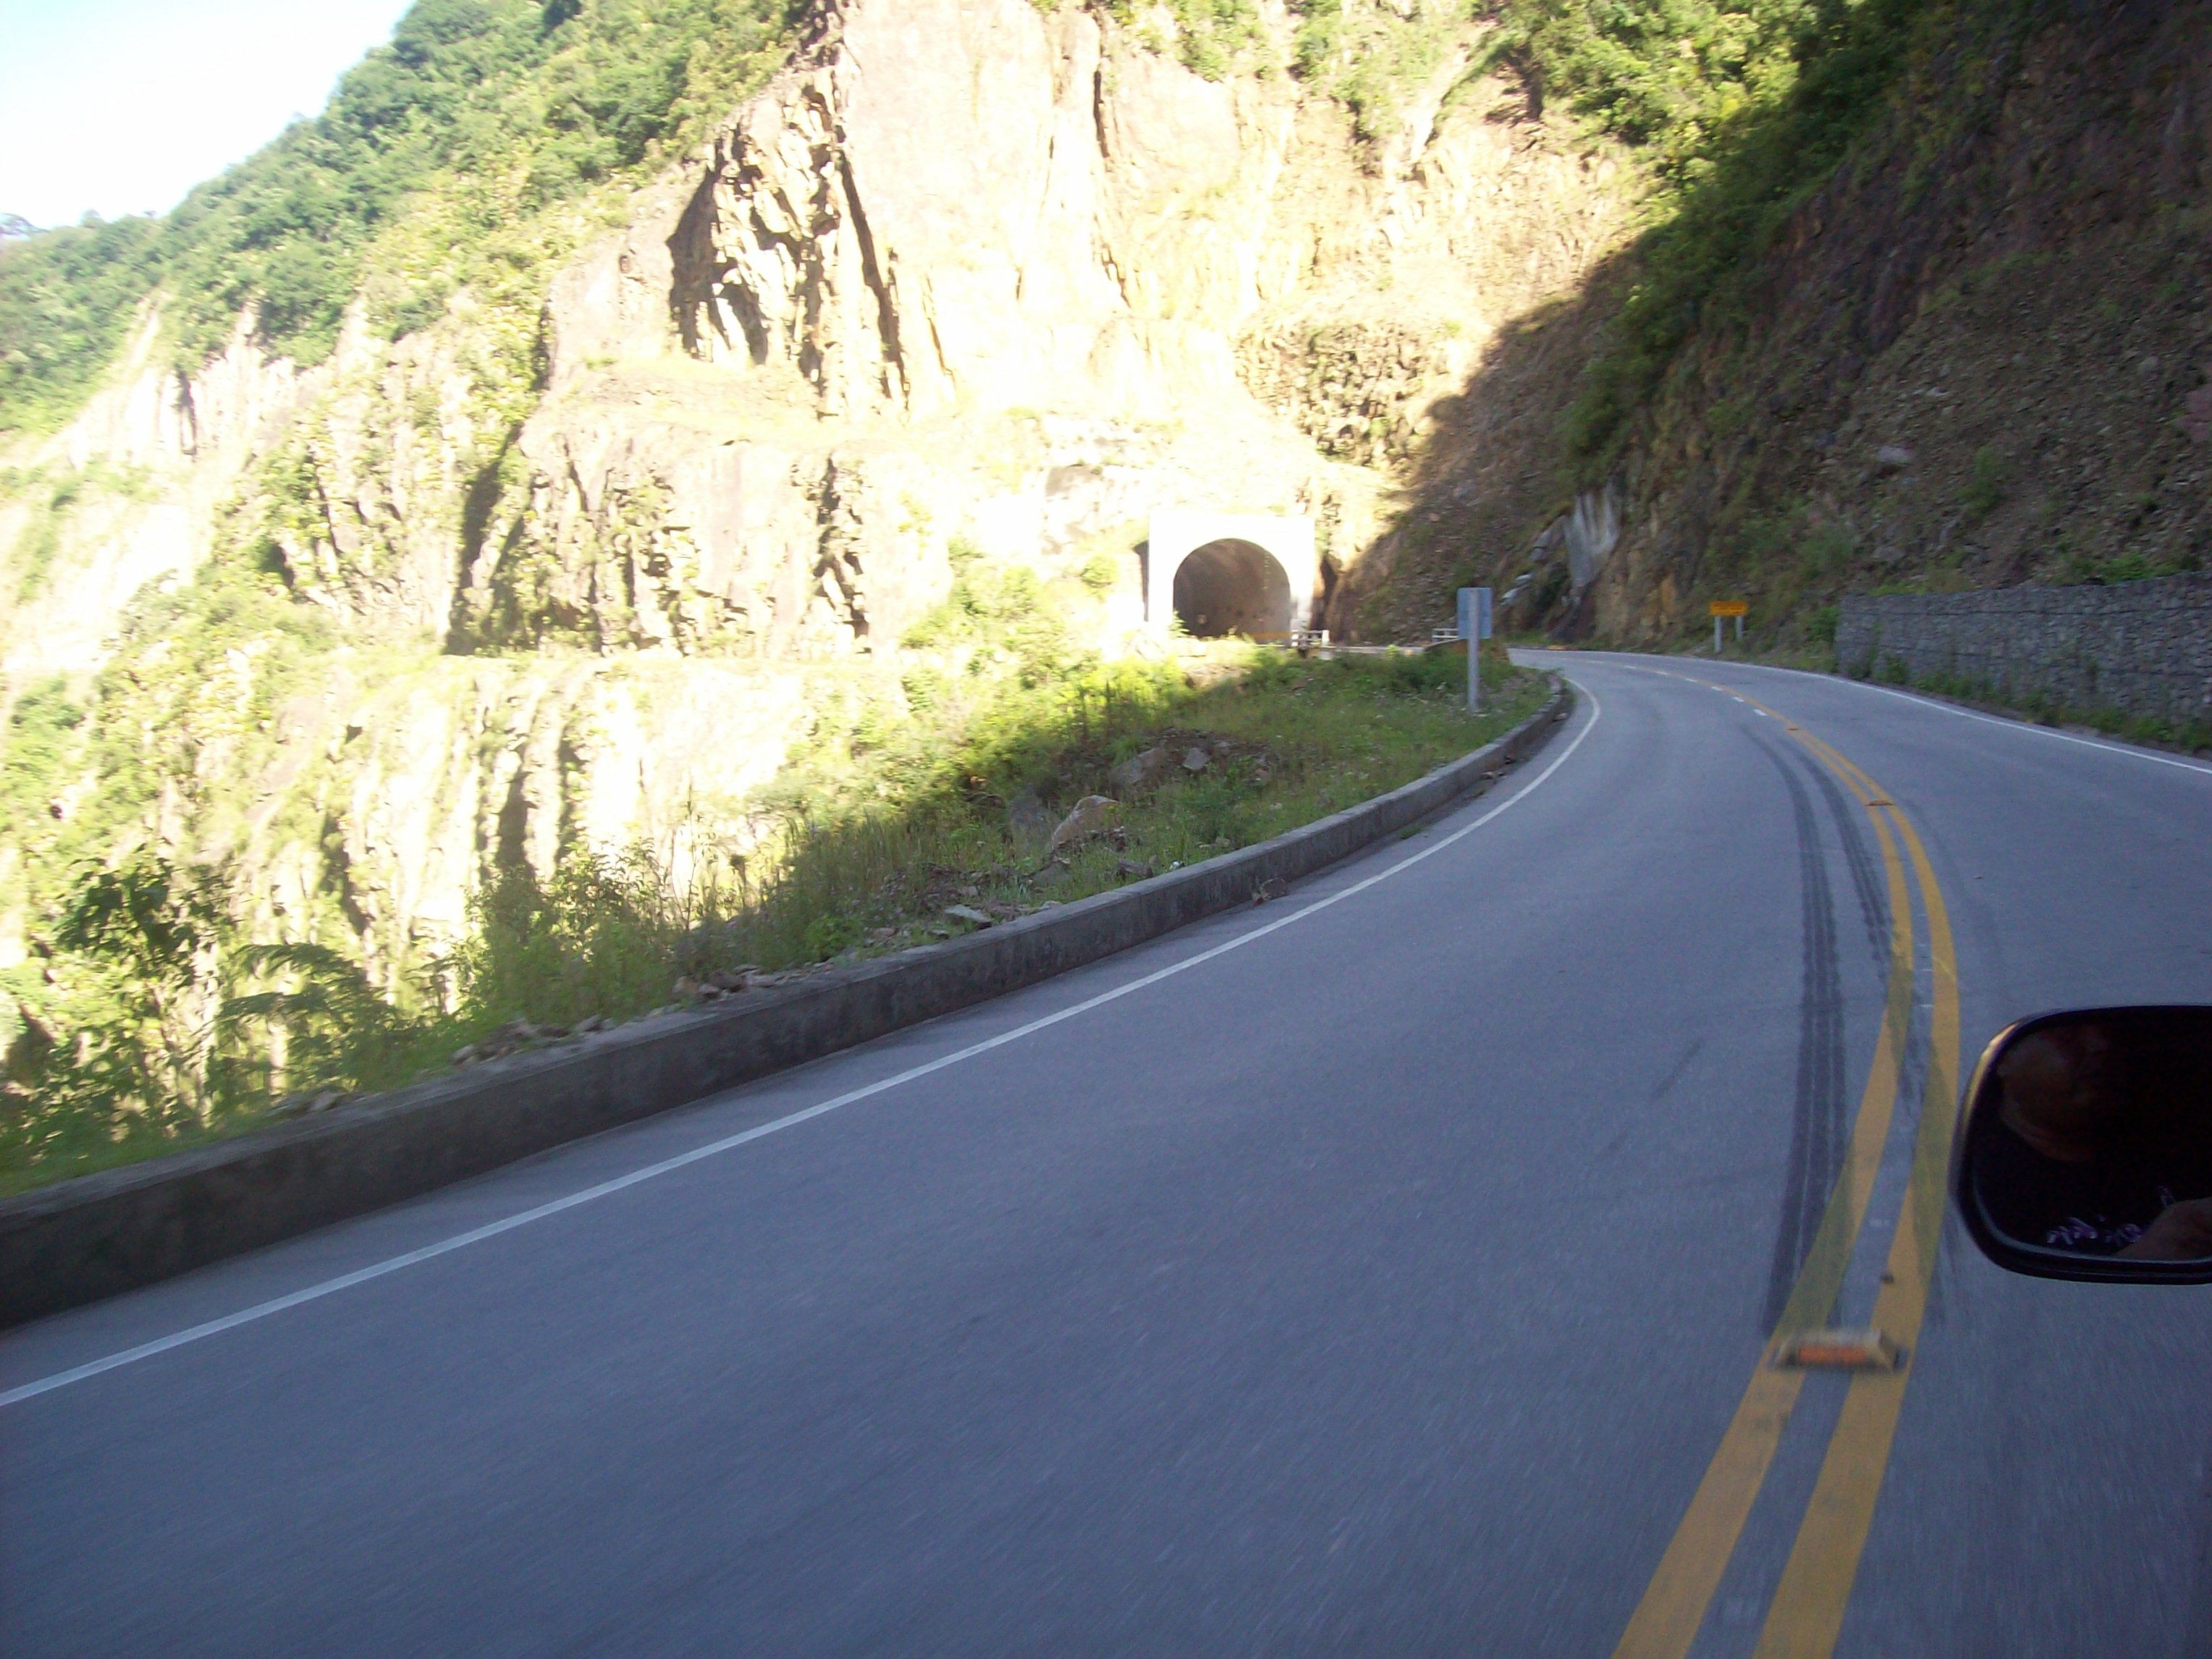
[(1731, 607)]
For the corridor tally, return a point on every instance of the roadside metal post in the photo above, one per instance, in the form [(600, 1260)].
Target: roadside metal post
[(1728, 608), (1474, 608)]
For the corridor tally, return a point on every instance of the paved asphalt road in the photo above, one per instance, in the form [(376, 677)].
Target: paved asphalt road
[(1384, 1284)]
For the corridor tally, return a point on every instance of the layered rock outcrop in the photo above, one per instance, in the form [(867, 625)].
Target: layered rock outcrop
[(967, 277)]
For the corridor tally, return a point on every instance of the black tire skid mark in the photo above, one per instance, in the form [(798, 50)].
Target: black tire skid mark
[(1817, 1130), (1858, 855)]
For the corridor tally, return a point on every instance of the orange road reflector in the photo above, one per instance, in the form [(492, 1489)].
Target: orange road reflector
[(1842, 1351)]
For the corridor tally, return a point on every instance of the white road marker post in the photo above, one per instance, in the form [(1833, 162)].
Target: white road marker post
[(1474, 628)]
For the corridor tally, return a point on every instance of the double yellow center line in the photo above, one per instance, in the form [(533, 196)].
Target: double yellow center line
[(1807, 1612)]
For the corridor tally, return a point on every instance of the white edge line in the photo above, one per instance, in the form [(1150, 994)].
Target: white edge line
[(261, 1310), (2129, 751)]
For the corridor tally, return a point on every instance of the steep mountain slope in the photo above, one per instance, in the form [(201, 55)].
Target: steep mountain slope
[(611, 422), (574, 461), (1971, 352)]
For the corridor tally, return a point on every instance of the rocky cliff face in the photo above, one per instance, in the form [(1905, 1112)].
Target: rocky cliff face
[(968, 278), (1977, 355)]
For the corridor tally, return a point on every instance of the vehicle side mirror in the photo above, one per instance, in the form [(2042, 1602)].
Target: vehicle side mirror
[(2086, 1148)]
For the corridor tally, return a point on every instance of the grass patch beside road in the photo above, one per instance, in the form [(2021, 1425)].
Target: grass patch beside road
[(147, 1025), (2039, 708), (891, 839), (1190, 772)]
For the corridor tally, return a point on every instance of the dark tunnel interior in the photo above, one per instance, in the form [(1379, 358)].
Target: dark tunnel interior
[(1233, 587)]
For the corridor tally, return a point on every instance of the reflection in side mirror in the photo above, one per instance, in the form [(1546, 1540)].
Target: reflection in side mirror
[(2087, 1150)]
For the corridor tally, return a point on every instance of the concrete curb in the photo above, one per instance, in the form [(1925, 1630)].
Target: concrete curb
[(78, 1240)]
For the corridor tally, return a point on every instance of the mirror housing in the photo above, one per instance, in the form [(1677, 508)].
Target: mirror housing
[(2085, 1151)]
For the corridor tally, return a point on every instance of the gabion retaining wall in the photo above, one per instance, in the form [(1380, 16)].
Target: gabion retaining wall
[(2140, 647)]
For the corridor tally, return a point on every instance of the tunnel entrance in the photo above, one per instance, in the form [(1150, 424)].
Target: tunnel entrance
[(1232, 587)]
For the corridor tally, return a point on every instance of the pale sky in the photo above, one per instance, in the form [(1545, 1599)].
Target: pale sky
[(119, 106)]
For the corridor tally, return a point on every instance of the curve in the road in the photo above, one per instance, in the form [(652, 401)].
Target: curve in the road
[(1388, 1288), (1807, 1614), (274, 1306), (1818, 1579)]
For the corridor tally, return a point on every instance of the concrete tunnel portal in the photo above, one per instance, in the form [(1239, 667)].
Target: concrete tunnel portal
[(1221, 574), (1232, 587)]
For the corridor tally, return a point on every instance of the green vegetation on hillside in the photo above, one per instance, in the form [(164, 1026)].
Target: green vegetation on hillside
[(427, 171), (1739, 113), (1212, 37), (434, 163), (1366, 58), (1736, 113), (66, 297), (463, 161), (2153, 731), (144, 1020)]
